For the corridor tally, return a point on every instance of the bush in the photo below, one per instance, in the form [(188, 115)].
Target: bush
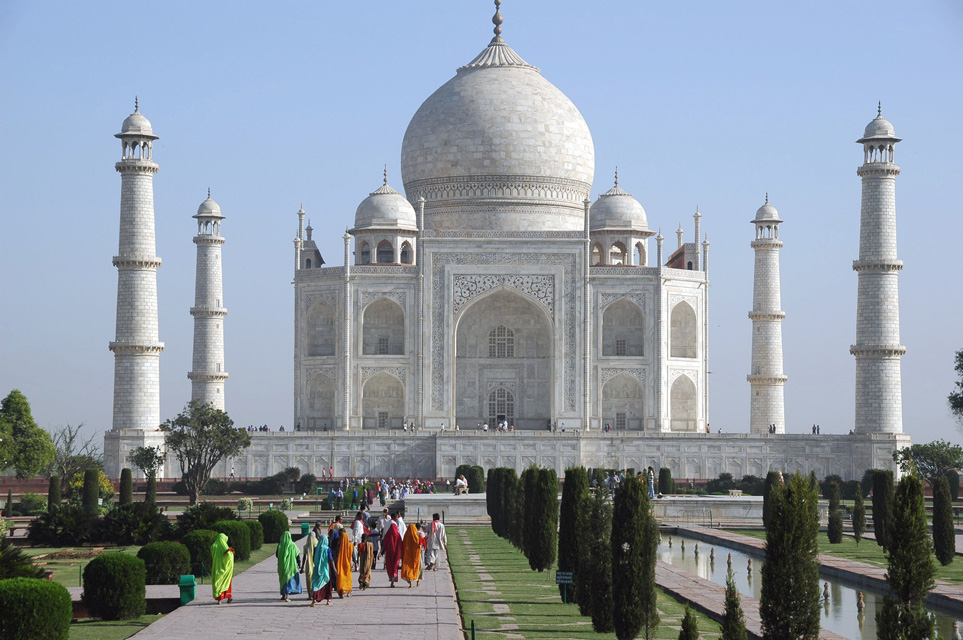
[(866, 484), (165, 562), (257, 533), (666, 485), (66, 525), (134, 523), (825, 485), (882, 505), (722, 484), (32, 504), (751, 485), (245, 504), (291, 474), (690, 626), (944, 535), (274, 523), (475, 476), (215, 487), (150, 495), (859, 518), (53, 493), (114, 587), (307, 483), (238, 536), (14, 563), (541, 540), (202, 516), (198, 543), (126, 486), (179, 488), (772, 481), (953, 478), (32, 609), (835, 515), (91, 491)]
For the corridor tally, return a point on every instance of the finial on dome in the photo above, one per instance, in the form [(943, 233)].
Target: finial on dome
[(616, 175), (208, 193), (879, 109), (497, 19), (386, 175), (301, 210), (767, 197), (136, 105)]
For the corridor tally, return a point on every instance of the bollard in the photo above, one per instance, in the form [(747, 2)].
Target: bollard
[(472, 630)]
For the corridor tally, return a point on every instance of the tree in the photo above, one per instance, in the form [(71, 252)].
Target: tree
[(526, 487), (792, 563), (882, 504), (835, 515), (931, 460), (126, 486), (733, 619), (8, 505), (944, 535), (911, 569), (690, 626), (149, 460), (953, 477), (199, 437), (772, 479), (635, 542), (91, 492), (574, 491), (73, 453), (595, 566), (23, 445), (53, 493), (956, 397), (542, 541), (666, 485), (517, 536), (859, 518)]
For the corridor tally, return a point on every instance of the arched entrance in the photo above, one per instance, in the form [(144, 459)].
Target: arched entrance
[(503, 362), (682, 405), (382, 402), (320, 413), (623, 403)]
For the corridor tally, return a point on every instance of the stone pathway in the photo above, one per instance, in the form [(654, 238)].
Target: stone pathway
[(429, 611)]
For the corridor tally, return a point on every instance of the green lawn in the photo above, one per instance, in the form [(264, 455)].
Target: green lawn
[(534, 607), (95, 629), (867, 551), (68, 570)]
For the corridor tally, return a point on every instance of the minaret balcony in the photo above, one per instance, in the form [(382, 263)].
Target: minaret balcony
[(877, 265), (134, 165), (136, 262), (209, 239), (881, 350), (766, 380), (212, 312), (878, 169), (136, 347), (767, 315), (219, 376)]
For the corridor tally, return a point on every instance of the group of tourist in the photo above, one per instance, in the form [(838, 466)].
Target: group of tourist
[(329, 559)]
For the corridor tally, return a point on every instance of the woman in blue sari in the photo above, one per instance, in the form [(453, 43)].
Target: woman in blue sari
[(324, 573), (288, 575)]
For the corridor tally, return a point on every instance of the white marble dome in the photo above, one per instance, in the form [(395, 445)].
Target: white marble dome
[(137, 125), (502, 141), (616, 209), (767, 213), (879, 127), (385, 208), (209, 208)]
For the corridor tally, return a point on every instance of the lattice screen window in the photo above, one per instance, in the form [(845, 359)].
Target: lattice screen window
[(620, 349), (501, 343), (382, 419), (620, 421), (382, 346)]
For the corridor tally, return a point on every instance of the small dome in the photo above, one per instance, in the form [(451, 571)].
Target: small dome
[(880, 127), (136, 125), (385, 207), (616, 209), (209, 208), (767, 213)]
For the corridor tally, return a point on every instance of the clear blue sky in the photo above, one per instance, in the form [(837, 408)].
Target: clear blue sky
[(270, 104)]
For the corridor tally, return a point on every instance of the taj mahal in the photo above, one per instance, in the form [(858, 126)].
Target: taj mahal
[(492, 289)]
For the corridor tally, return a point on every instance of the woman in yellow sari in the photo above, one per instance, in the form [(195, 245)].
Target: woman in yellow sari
[(345, 551), (411, 556), (222, 573)]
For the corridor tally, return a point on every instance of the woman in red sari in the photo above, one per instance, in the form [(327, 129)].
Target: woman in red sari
[(391, 550)]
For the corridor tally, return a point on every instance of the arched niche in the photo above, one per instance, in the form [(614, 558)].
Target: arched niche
[(386, 252), (407, 254), (320, 329), (682, 331), (365, 253), (623, 403), (383, 329), (526, 370), (622, 330), (320, 408), (382, 402), (682, 405)]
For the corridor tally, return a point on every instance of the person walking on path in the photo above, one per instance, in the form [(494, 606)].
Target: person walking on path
[(343, 562), (322, 571), (222, 573), (358, 529), (437, 542), (411, 559), (288, 575), (391, 550), (307, 558), (365, 562)]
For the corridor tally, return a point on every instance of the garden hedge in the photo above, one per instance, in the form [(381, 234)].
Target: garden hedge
[(134, 523), (275, 523), (32, 609), (202, 516), (198, 543), (114, 587), (238, 536), (165, 562), (257, 533)]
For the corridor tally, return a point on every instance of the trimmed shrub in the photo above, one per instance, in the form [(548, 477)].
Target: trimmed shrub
[(475, 476), (91, 491), (126, 486), (690, 626), (835, 531), (151, 493), (114, 587), (307, 483), (543, 541), (666, 485), (274, 523), (32, 504), (849, 489), (245, 504), (593, 579), (574, 493), (165, 562), (53, 493), (202, 516), (529, 481), (32, 609), (215, 487), (517, 532), (66, 525), (944, 535), (825, 485), (751, 485), (722, 484), (882, 505), (238, 536), (198, 543), (859, 518), (634, 548), (257, 533), (134, 523), (14, 563), (953, 479)]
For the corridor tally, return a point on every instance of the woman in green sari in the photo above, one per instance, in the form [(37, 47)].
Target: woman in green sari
[(288, 575), (222, 573)]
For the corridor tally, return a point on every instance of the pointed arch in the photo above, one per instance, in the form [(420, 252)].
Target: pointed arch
[(623, 403), (383, 329), (618, 254), (682, 405), (320, 407), (386, 252), (320, 329), (597, 254), (365, 253), (623, 329), (382, 402), (407, 254), (682, 331), (640, 258)]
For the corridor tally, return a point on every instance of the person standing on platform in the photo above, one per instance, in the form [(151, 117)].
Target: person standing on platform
[(391, 550), (651, 483), (323, 571), (411, 559), (437, 543), (288, 575), (222, 573)]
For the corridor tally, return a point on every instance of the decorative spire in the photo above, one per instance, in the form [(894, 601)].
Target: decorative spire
[(697, 214), (879, 109), (767, 197), (301, 210), (497, 19), (386, 175), (136, 105), (208, 193), (616, 175)]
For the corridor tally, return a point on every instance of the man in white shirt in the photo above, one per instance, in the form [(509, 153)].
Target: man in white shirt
[(402, 529), (461, 485), (437, 542)]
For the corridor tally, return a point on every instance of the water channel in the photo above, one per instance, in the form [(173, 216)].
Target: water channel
[(839, 612)]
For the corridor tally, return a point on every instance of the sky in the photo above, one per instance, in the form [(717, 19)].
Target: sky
[(708, 104)]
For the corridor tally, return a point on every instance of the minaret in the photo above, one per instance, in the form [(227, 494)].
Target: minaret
[(136, 346), (879, 404), (766, 379), (207, 373)]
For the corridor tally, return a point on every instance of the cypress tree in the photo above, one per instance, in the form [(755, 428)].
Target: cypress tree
[(733, 619), (882, 504), (494, 499), (530, 491), (859, 518), (911, 568), (588, 533), (598, 567), (835, 515), (944, 535), (126, 486), (690, 626), (544, 515), (8, 505), (792, 563), (634, 548), (518, 514), (150, 497), (772, 479), (574, 491), (53, 494), (666, 485), (488, 495), (953, 478), (91, 491)]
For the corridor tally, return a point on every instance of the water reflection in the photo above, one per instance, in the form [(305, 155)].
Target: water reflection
[(841, 610)]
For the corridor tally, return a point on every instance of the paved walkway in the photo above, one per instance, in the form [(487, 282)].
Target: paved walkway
[(429, 611)]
